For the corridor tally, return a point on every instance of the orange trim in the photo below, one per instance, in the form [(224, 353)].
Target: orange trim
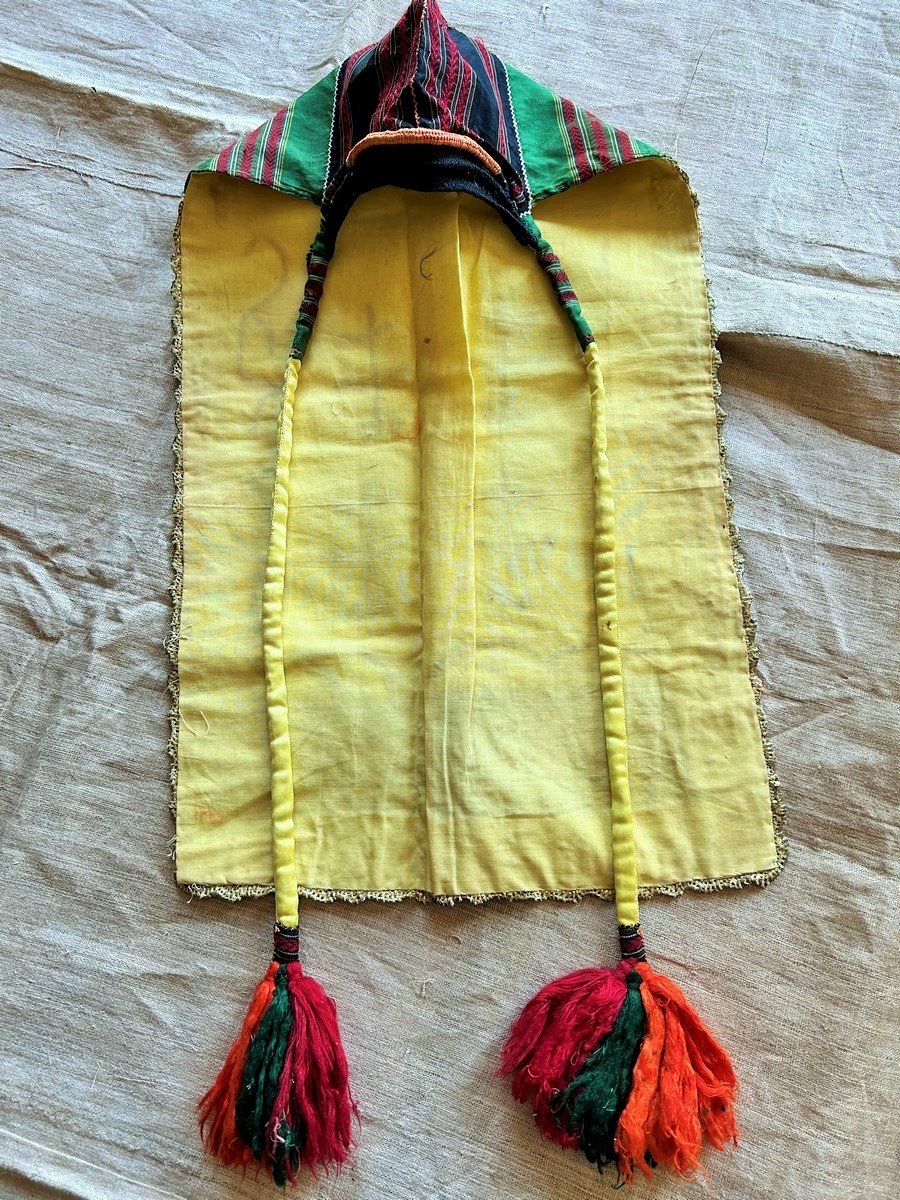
[(430, 137)]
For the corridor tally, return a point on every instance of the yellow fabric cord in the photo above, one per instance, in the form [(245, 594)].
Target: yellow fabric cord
[(283, 851), (612, 684), (445, 706)]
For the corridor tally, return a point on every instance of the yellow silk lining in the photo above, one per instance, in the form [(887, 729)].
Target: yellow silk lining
[(444, 707)]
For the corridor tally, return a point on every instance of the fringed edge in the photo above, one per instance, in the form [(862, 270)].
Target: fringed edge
[(240, 891)]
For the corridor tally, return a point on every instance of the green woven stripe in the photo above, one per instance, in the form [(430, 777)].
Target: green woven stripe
[(550, 164), (645, 150), (280, 177), (234, 158), (612, 140), (303, 150)]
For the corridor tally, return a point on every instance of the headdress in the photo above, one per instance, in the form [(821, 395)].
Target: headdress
[(459, 615)]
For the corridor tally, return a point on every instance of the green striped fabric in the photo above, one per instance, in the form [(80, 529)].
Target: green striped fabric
[(562, 144)]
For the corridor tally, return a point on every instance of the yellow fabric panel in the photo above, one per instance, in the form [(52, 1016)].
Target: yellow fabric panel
[(243, 251), (440, 631), (441, 649), (698, 780)]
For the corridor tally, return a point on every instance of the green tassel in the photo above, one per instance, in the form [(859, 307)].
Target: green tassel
[(592, 1103), (262, 1070)]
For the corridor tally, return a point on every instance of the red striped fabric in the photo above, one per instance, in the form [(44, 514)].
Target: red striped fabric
[(583, 166), (487, 59), (270, 158), (601, 145), (223, 158), (245, 167)]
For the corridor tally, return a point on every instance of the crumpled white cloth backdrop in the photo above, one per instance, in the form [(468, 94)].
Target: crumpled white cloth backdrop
[(119, 996)]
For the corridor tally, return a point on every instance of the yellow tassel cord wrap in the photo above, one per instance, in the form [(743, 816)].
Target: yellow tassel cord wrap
[(283, 843), (612, 690)]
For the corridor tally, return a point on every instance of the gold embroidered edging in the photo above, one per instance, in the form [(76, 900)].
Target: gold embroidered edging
[(241, 891), (176, 586)]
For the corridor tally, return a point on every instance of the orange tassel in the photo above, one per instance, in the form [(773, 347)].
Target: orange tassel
[(683, 1087), (216, 1110)]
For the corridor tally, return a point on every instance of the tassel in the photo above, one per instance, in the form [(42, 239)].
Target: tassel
[(617, 1064), (554, 1035), (684, 1087), (216, 1110), (283, 1095), (591, 1104), (310, 1120)]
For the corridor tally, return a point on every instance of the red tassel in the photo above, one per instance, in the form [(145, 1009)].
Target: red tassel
[(683, 1087), (555, 1033), (216, 1109), (313, 1110)]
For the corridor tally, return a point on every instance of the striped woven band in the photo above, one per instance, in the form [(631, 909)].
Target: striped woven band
[(287, 944), (631, 943)]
